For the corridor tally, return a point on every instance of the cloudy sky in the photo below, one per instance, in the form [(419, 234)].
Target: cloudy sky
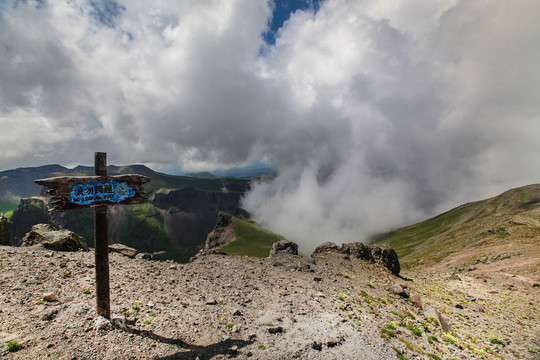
[(375, 113)]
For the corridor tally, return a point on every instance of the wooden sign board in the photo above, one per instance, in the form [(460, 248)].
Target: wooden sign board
[(75, 192)]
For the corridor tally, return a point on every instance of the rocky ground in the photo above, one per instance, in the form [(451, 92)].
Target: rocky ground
[(333, 307)]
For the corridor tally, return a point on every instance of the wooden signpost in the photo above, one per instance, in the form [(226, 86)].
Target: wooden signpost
[(76, 192)]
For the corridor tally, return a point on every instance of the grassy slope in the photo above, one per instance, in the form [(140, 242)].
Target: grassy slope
[(251, 240), (469, 226)]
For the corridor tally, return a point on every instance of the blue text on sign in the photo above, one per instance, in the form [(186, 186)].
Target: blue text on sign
[(94, 191)]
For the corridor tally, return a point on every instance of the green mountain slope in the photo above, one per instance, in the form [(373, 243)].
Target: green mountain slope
[(251, 240), (473, 233), (180, 213)]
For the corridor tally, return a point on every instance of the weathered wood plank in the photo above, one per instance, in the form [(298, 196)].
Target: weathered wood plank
[(63, 186)]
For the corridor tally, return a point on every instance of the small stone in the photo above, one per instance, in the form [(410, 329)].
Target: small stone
[(316, 346), (150, 304), (275, 330), (144, 256), (102, 323), (333, 343), (234, 349), (119, 322), (237, 312), (457, 305), (399, 290), (476, 307), (320, 295), (417, 300), (434, 314), (173, 267), (49, 297), (211, 301), (317, 279)]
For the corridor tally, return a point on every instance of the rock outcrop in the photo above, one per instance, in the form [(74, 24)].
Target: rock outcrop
[(52, 238), (123, 249), (284, 247), (31, 211), (178, 200), (4, 230), (223, 231), (374, 253)]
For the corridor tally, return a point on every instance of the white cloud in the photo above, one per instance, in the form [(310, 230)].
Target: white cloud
[(399, 108)]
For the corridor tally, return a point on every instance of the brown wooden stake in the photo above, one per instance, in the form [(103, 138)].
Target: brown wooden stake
[(101, 244)]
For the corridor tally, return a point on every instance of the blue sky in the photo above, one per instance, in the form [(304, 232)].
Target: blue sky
[(283, 10), (396, 107)]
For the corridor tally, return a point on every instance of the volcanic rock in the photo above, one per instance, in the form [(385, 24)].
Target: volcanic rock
[(52, 238), (284, 247), (123, 249), (223, 231)]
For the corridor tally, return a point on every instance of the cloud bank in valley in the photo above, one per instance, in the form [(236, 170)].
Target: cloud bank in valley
[(374, 113)]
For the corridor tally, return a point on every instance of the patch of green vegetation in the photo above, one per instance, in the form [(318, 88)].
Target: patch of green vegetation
[(262, 347), (450, 339), (399, 354), (251, 240), (433, 356), (496, 341), (7, 206), (386, 334), (146, 322), (13, 346), (86, 291), (143, 229), (416, 331)]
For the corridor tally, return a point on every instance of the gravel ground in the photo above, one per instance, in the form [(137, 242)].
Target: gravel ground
[(237, 307)]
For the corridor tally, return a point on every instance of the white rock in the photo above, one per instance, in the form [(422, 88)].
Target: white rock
[(119, 322), (102, 323)]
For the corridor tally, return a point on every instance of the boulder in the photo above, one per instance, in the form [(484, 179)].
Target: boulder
[(324, 247), (374, 253), (123, 249), (388, 256), (431, 313), (223, 231), (399, 290), (53, 238), (284, 247)]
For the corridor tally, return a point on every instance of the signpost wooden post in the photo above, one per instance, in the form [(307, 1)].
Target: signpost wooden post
[(76, 192)]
